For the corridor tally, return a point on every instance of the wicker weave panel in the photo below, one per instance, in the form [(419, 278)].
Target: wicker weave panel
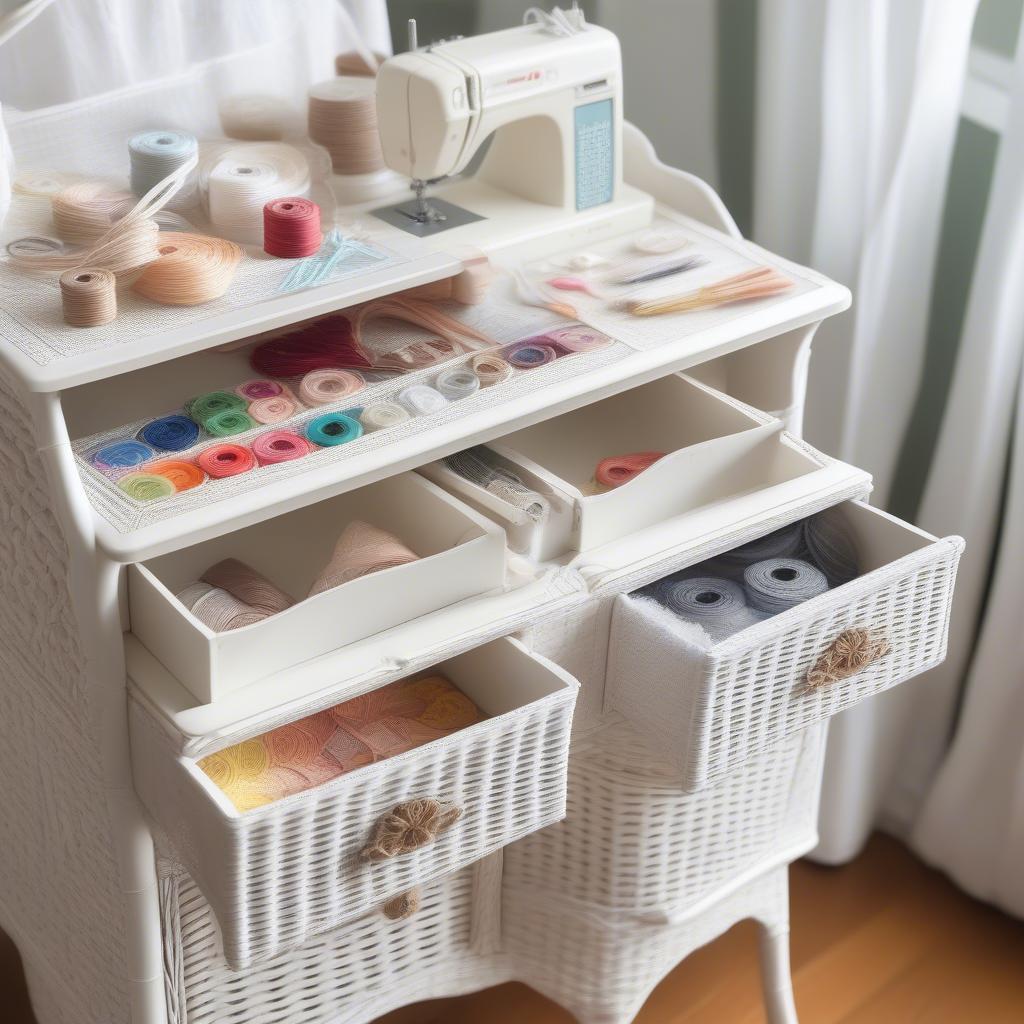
[(279, 874), (707, 711), (59, 895), (632, 844)]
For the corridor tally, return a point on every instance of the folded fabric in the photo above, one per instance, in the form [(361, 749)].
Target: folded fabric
[(361, 549), (231, 595), (293, 758)]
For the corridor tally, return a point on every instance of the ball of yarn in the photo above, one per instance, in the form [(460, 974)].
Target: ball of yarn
[(190, 269), (457, 383), (831, 544), (383, 415), (121, 455), (617, 470), (333, 429), (322, 387), (146, 486), (183, 475), (718, 605), (170, 433), (777, 584), (154, 155), (224, 460), (279, 446), (421, 399)]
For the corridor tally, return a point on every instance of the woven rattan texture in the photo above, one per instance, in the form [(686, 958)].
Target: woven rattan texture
[(602, 968), (292, 869), (59, 897), (632, 844), (347, 976), (707, 711)]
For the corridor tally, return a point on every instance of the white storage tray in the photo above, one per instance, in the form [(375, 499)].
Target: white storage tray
[(462, 555), (291, 869), (707, 710)]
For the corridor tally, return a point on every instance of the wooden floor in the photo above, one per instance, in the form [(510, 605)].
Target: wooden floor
[(881, 941)]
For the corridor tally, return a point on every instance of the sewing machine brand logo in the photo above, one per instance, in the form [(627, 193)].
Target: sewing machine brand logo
[(529, 76)]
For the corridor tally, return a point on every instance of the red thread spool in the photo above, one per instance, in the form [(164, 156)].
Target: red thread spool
[(224, 460), (291, 227)]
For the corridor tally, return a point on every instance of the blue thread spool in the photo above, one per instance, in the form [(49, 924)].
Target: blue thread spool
[(154, 155), (528, 355), (332, 429), (122, 455), (170, 433)]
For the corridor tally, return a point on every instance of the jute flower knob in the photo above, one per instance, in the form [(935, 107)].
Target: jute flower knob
[(851, 651), (408, 827), (404, 905)]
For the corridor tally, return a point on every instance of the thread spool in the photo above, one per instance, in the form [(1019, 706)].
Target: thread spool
[(579, 338), (170, 433), (146, 486), (87, 210), (279, 446), (421, 399), (490, 369), (253, 390), (778, 584), (718, 605), (228, 422), (457, 383), (203, 407), (353, 63), (383, 415), (121, 455), (89, 296), (527, 355), (190, 269), (245, 178), (620, 469), (291, 227), (182, 475), (273, 410), (254, 118), (343, 119), (321, 387), (332, 429), (225, 460), (154, 155)]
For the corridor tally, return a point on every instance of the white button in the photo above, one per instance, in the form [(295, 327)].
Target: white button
[(458, 97)]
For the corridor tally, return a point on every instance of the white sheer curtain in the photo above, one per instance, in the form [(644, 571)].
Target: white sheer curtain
[(858, 105)]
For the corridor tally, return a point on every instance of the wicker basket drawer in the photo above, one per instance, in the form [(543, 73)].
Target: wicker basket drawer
[(462, 554), (706, 710), (279, 873)]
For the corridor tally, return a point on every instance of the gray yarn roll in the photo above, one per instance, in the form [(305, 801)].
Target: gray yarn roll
[(830, 543), (719, 605), (776, 584), (785, 543), (480, 466)]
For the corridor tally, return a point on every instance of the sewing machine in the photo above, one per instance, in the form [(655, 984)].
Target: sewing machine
[(530, 117)]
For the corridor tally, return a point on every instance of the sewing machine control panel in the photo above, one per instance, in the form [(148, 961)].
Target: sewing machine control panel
[(595, 156)]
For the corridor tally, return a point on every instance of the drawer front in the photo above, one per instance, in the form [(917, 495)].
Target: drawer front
[(280, 873), (632, 845), (707, 709)]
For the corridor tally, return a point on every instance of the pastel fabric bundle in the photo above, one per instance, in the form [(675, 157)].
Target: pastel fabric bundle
[(362, 549), (232, 595), (291, 759)]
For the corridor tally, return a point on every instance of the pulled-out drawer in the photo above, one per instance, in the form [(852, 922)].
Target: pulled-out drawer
[(706, 709), (461, 554), (278, 873)]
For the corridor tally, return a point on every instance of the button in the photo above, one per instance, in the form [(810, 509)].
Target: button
[(458, 97)]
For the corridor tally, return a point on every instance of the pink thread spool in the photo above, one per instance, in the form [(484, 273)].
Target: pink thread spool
[(279, 446), (322, 387), (291, 227)]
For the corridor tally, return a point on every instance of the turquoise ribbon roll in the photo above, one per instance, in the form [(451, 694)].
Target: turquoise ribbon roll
[(332, 429)]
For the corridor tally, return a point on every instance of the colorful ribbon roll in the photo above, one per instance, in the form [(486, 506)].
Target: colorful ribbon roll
[(778, 584), (253, 390), (527, 355), (620, 469), (273, 410), (578, 338), (146, 486), (279, 446), (421, 399), (203, 407), (321, 387), (122, 455), (224, 460), (490, 369), (333, 428), (457, 383), (170, 433), (360, 550), (183, 475), (228, 422), (383, 415)]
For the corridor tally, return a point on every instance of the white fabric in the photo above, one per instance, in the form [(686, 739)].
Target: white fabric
[(857, 113), (973, 822)]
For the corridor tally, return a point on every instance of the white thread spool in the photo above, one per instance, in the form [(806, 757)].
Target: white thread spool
[(244, 178), (421, 399), (383, 415), (343, 119)]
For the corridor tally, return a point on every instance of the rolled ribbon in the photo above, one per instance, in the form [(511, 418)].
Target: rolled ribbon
[(830, 543), (183, 475), (190, 269), (480, 466), (778, 584), (146, 486), (224, 460), (279, 446), (245, 583), (383, 415), (360, 550), (321, 387), (421, 399), (334, 428), (490, 369), (617, 470), (579, 338), (273, 410), (121, 455), (154, 155), (228, 422), (718, 605), (457, 383), (526, 355), (204, 407), (253, 390), (170, 433)]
